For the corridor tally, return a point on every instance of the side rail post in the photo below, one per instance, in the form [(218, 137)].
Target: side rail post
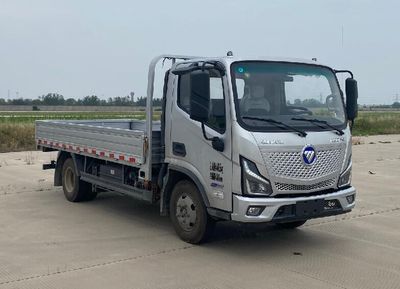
[(146, 171)]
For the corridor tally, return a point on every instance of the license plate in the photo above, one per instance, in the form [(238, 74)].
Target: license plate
[(309, 208)]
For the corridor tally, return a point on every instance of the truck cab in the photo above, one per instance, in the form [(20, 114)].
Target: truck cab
[(266, 140), (246, 140)]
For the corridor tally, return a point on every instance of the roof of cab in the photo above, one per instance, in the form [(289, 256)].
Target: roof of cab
[(231, 59), (228, 60)]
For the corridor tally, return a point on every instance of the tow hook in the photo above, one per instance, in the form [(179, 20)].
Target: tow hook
[(50, 166)]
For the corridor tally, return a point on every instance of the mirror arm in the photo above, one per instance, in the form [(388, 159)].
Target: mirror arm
[(217, 143), (351, 124), (344, 71), (203, 128)]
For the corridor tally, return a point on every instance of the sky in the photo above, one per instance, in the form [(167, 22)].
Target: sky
[(79, 48)]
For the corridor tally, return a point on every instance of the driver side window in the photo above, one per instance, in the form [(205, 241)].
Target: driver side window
[(217, 116)]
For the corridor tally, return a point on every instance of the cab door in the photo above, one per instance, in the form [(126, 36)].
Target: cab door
[(189, 149)]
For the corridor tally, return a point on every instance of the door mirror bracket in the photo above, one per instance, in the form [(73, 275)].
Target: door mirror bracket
[(216, 142)]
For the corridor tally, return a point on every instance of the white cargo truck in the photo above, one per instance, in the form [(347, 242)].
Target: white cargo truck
[(246, 140)]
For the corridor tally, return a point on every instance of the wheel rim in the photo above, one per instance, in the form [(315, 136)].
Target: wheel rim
[(69, 180), (186, 212)]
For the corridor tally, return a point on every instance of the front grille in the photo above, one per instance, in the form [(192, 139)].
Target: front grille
[(312, 187), (289, 164)]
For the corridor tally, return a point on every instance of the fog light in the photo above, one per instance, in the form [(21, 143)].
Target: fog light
[(350, 199), (255, 211)]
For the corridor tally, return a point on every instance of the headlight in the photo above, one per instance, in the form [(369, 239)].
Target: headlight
[(345, 177), (252, 182)]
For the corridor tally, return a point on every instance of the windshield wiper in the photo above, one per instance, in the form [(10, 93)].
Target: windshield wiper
[(278, 124), (318, 121)]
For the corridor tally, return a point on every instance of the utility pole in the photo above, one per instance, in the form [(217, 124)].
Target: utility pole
[(343, 54), (342, 38), (396, 98)]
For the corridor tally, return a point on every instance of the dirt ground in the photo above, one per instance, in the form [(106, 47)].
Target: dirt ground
[(116, 242)]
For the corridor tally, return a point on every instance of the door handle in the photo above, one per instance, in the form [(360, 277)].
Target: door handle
[(179, 149)]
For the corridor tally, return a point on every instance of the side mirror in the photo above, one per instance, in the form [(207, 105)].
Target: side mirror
[(351, 98), (199, 95)]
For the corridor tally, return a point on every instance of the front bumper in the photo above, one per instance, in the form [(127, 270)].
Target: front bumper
[(272, 205)]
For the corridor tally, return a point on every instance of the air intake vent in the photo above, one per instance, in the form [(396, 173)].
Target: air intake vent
[(312, 187)]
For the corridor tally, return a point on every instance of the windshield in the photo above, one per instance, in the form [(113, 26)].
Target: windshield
[(300, 95)]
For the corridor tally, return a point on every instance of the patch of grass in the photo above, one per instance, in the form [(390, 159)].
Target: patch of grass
[(373, 123), (17, 137)]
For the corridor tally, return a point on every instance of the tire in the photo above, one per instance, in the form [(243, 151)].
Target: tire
[(291, 225), (188, 213), (74, 189)]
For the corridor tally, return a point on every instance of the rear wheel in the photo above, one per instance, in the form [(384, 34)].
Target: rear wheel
[(74, 189), (291, 225), (189, 214)]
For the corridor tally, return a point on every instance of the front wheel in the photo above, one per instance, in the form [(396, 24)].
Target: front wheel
[(189, 214), (291, 225)]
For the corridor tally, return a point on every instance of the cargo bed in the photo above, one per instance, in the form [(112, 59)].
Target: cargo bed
[(121, 140)]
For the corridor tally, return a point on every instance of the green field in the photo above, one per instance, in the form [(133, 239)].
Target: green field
[(17, 128), (376, 122)]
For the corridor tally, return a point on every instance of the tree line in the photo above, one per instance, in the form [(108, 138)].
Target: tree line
[(93, 100), (316, 103), (89, 100)]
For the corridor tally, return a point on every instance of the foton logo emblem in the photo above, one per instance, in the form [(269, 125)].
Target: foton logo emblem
[(309, 155)]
